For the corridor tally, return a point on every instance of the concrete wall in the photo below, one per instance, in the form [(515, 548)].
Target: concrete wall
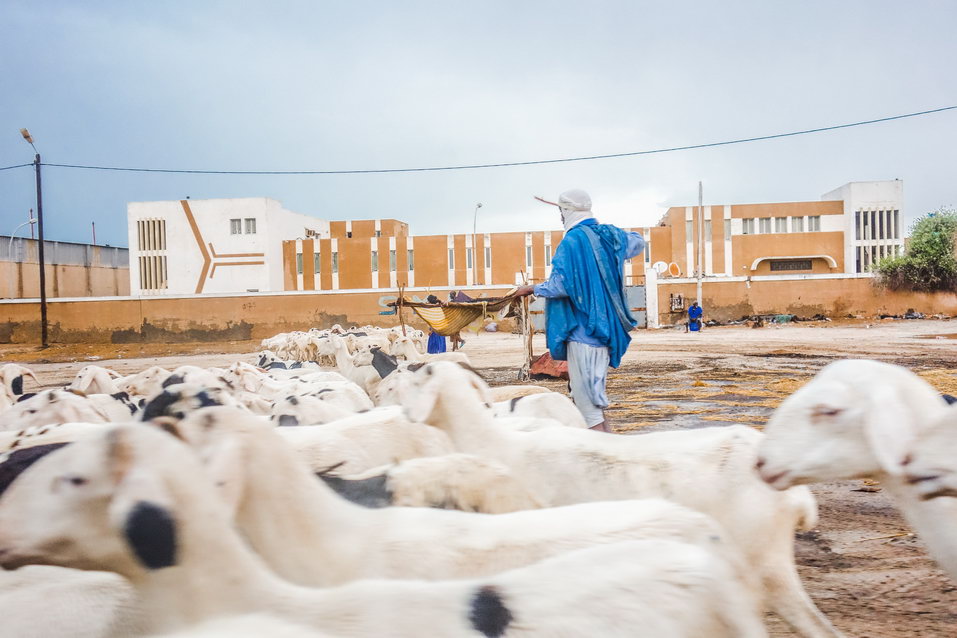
[(72, 270), (204, 317), (835, 297)]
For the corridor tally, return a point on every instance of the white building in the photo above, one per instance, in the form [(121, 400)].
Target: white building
[(213, 245), (872, 221)]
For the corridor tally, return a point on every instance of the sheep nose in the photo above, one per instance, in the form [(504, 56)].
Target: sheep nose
[(759, 464), (907, 460)]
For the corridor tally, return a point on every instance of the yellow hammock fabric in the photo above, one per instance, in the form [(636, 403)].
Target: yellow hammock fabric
[(455, 316)]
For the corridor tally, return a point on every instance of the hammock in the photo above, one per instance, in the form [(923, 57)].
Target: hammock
[(454, 316)]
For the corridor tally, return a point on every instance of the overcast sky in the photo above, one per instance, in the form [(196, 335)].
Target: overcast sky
[(285, 85)]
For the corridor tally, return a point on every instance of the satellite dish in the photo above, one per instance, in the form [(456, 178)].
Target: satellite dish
[(660, 267), (674, 270)]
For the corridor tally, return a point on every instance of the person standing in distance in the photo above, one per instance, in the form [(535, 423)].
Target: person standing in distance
[(587, 316)]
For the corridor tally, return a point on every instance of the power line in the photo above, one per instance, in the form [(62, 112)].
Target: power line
[(7, 168), (504, 164)]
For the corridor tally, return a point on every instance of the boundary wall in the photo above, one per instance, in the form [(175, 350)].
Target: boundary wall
[(208, 317), (835, 296)]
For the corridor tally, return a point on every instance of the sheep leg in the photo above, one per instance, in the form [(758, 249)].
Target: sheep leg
[(785, 595)]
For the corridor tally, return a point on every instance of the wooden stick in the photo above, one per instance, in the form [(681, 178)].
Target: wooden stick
[(525, 373), (399, 308)]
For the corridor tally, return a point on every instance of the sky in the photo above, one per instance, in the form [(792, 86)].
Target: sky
[(316, 85)]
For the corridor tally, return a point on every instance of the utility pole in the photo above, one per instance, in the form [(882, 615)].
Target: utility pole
[(43, 275), (700, 244), (475, 245)]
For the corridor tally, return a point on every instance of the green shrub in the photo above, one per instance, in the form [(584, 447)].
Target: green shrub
[(929, 264)]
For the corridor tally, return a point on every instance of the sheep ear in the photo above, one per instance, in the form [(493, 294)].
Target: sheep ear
[(140, 507), (420, 404), (889, 430)]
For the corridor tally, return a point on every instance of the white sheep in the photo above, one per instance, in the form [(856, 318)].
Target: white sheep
[(454, 481), (363, 441), (95, 380), (65, 406), (43, 602), (508, 392), (547, 405), (405, 348), (265, 482), (364, 376), (245, 626), (136, 502), (860, 419), (931, 464), (12, 375), (707, 469), (144, 383)]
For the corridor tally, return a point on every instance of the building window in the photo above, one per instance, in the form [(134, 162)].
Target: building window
[(315, 263), (727, 229), (880, 225), (335, 263), (235, 226), (689, 230), (378, 233), (790, 264), (858, 259), (747, 226), (528, 256), (299, 263), (764, 225), (250, 225), (451, 259), (411, 260), (391, 261), (896, 225), (375, 261), (488, 256), (548, 255), (797, 224), (468, 258), (349, 234), (707, 230), (780, 224), (814, 223)]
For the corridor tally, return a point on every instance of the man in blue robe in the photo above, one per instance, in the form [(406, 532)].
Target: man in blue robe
[(587, 317)]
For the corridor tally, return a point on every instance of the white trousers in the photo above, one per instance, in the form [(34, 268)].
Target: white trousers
[(587, 373)]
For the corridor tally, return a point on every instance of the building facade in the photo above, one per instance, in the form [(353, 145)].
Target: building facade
[(212, 246), (847, 231), (71, 269), (255, 245)]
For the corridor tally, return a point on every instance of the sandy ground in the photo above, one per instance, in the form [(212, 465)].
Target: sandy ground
[(863, 566)]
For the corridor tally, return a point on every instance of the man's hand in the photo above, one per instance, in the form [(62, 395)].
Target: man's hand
[(525, 291)]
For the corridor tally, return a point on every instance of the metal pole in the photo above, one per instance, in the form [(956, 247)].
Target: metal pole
[(700, 243), (475, 246), (94, 233), (43, 276), (31, 224)]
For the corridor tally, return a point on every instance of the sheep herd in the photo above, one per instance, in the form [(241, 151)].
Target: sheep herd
[(349, 484)]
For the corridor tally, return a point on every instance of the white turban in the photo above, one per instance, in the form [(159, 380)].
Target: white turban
[(575, 206)]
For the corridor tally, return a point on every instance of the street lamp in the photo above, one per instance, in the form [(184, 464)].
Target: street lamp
[(10, 246), (43, 277), (475, 245)]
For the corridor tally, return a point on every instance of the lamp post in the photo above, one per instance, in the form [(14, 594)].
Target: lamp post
[(43, 277), (10, 246), (475, 245)]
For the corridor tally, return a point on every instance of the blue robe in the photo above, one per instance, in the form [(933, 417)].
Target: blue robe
[(436, 343), (596, 295)]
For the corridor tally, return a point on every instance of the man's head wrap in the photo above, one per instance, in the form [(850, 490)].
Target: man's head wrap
[(575, 206)]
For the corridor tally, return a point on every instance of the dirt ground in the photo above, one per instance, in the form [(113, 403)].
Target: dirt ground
[(862, 565)]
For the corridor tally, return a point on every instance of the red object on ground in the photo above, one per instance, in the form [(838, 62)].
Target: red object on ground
[(545, 365)]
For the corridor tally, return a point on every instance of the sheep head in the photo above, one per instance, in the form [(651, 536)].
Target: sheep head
[(444, 384), (931, 465), (94, 504), (855, 419)]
